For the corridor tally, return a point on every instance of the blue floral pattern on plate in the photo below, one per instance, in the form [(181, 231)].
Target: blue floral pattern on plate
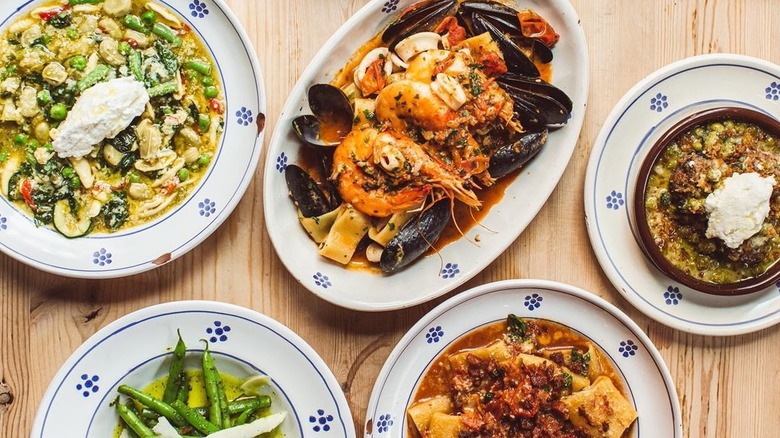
[(281, 162), (390, 6), (772, 91), (88, 384), (533, 302), (218, 333), (3, 223), (672, 295), (450, 270), (615, 200), (628, 348), (659, 102), (321, 421), (102, 257), (322, 280), (384, 423), (198, 9), (207, 207), (434, 334), (245, 116)]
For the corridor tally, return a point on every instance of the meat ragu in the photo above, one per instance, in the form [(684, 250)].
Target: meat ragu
[(521, 378)]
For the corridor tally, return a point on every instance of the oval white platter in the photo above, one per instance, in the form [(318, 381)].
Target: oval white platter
[(645, 377), (458, 262), (646, 111), (150, 245), (136, 350)]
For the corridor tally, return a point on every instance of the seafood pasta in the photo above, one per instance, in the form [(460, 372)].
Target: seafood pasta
[(428, 115)]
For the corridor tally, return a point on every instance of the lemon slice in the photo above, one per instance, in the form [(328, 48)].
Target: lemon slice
[(254, 385)]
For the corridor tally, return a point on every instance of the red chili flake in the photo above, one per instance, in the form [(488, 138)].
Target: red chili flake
[(217, 106), (133, 43), (26, 191), (51, 13)]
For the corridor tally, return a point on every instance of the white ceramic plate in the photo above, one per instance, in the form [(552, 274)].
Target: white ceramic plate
[(136, 350), (642, 115), (646, 379), (143, 248), (458, 262)]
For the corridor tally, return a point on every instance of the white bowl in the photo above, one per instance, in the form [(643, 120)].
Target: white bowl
[(458, 262), (136, 350), (152, 244), (638, 364)]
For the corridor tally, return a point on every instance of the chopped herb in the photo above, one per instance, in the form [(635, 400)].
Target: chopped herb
[(516, 327)]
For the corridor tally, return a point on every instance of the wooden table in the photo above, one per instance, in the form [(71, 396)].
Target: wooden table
[(726, 385)]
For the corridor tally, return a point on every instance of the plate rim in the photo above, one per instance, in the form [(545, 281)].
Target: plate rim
[(143, 314), (197, 235), (597, 150), (314, 70), (526, 284)]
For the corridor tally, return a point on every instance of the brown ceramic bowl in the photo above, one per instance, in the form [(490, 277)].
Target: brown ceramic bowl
[(643, 234)]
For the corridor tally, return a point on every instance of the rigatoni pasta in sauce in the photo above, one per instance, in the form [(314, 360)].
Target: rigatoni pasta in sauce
[(521, 378), (110, 113)]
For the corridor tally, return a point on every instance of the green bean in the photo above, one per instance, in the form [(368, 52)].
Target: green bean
[(184, 388), (199, 66), (243, 417), (167, 57), (223, 402), (97, 74), (211, 378), (134, 22), (166, 33), (163, 89), (253, 403), (135, 63), (155, 404), (133, 422), (84, 2), (194, 418), (175, 371)]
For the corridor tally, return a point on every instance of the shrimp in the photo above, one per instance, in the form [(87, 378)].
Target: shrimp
[(409, 103), (385, 172)]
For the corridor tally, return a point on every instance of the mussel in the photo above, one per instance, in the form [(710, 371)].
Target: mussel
[(512, 156), (331, 118), (416, 237), (306, 193), (420, 17)]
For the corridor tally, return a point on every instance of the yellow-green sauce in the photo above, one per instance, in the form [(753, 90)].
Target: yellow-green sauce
[(197, 396)]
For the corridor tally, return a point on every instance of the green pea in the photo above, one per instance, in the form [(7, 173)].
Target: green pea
[(133, 177), (78, 62), (44, 97), (33, 144), (204, 160), (149, 17), (72, 33), (58, 111), (68, 172), (207, 81), (210, 91), (125, 48), (183, 174), (20, 139), (75, 182)]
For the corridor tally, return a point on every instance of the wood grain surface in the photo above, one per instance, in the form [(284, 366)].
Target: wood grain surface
[(726, 385)]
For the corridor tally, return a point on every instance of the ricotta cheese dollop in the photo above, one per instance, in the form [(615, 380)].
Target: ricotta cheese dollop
[(738, 208), (101, 112)]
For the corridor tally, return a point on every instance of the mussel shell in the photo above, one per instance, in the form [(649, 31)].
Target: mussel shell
[(491, 8), (420, 17), (516, 59), (512, 156), (510, 81), (331, 107), (305, 192), (416, 237), (307, 129)]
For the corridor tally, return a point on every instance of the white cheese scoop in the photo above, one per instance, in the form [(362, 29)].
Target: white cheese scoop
[(738, 208), (101, 112)]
